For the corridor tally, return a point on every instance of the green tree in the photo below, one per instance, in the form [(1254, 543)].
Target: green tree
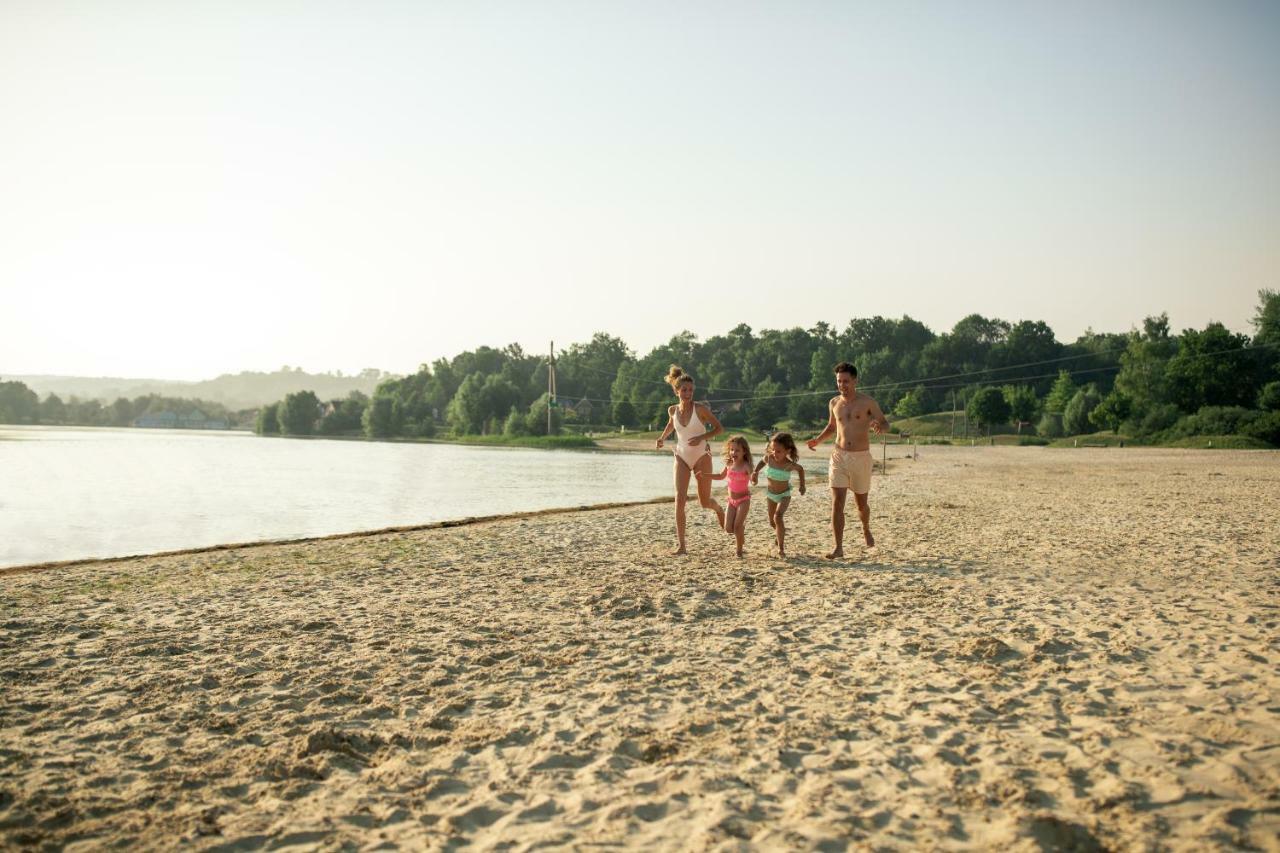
[(1213, 367), (123, 412), (1060, 394), (1111, 412), (988, 406), (914, 403), (1143, 365), (382, 417), (268, 420), (536, 420), (1075, 419), (516, 423), (808, 408), (18, 404), (1023, 404), (624, 413), (298, 413), (767, 406), (1269, 397), (53, 410), (345, 415)]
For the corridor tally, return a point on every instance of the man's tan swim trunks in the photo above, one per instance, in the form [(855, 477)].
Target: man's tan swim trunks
[(851, 469)]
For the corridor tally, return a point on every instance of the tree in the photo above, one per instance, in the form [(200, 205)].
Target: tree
[(18, 404), (298, 413), (1143, 365), (1111, 412), (123, 412), (624, 413), (1266, 321), (1213, 367), (268, 420), (53, 410), (344, 416), (1022, 404), (382, 417), (808, 408), (988, 406), (1075, 419), (536, 420), (914, 404), (1269, 397), (1060, 394), (516, 423), (767, 406)]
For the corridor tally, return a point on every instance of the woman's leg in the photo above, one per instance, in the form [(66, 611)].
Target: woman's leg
[(703, 466), (682, 490)]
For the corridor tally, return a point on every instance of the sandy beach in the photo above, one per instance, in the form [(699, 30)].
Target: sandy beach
[(1049, 649)]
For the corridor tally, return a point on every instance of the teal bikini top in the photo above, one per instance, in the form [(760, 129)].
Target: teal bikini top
[(777, 473)]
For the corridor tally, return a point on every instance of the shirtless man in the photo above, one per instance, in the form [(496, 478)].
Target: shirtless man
[(851, 416)]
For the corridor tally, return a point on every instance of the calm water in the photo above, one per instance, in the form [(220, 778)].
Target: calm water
[(68, 492)]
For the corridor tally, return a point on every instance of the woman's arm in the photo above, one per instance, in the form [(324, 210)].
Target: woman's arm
[(716, 428), (666, 430)]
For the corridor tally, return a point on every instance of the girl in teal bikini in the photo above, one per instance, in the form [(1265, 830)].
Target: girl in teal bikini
[(780, 459)]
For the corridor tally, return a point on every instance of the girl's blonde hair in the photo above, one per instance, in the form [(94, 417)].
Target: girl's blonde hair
[(785, 440), (741, 442), (676, 376)]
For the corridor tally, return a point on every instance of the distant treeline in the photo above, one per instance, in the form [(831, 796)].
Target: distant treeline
[(245, 390), (20, 405), (1148, 383)]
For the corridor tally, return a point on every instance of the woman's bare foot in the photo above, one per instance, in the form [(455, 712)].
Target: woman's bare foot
[(837, 554)]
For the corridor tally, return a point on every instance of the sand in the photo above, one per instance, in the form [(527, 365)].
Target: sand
[(1050, 649)]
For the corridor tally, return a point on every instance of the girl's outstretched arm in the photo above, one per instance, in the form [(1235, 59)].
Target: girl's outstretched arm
[(755, 475)]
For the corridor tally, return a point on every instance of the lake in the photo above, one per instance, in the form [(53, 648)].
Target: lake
[(76, 492)]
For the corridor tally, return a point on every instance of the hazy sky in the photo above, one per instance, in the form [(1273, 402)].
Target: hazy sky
[(194, 188)]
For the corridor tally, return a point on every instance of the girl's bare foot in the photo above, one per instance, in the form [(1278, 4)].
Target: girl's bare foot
[(740, 554), (871, 540), (679, 552), (837, 554)]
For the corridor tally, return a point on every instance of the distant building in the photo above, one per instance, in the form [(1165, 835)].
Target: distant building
[(169, 420)]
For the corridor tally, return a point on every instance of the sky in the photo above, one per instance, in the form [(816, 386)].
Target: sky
[(190, 189)]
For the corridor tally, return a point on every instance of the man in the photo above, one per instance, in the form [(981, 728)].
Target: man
[(850, 416)]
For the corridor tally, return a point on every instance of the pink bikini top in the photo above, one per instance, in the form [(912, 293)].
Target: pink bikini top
[(738, 480)]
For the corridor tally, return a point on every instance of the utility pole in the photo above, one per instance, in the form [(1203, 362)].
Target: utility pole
[(953, 413), (551, 385)]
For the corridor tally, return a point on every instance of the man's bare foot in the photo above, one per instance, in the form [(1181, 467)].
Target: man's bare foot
[(837, 554)]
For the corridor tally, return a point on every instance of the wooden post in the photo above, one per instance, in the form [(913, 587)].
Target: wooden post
[(884, 454), (953, 414), (551, 384)]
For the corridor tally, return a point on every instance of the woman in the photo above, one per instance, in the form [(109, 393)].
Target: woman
[(693, 455)]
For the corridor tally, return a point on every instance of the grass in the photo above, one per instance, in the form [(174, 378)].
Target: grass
[(546, 442), (940, 424), (1219, 442)]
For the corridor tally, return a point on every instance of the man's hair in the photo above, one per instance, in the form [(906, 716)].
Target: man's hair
[(846, 367)]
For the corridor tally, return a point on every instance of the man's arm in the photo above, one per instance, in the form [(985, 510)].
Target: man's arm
[(878, 420), (827, 430)]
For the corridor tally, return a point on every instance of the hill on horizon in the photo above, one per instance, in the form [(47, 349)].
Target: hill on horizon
[(245, 390)]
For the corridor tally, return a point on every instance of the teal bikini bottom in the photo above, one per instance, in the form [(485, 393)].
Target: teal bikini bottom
[(778, 497)]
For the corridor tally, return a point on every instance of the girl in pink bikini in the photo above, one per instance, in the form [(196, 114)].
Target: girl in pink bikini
[(737, 470)]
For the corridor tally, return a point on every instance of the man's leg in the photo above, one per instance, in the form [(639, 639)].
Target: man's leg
[(864, 511), (838, 495)]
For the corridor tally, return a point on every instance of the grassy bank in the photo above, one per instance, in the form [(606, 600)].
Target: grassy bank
[(545, 442)]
